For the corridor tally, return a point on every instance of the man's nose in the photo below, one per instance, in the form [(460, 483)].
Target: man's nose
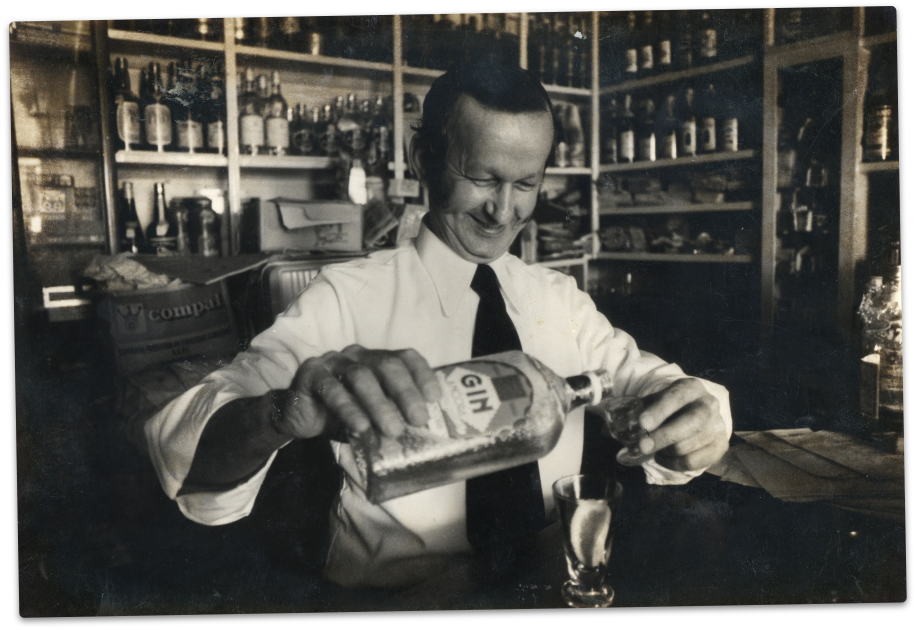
[(500, 206)]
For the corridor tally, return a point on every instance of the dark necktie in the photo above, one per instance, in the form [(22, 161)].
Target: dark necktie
[(507, 504)]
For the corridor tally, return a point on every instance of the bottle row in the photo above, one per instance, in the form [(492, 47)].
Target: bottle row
[(187, 226), (692, 119)]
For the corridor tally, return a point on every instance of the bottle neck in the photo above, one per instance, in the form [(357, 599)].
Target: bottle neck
[(589, 388)]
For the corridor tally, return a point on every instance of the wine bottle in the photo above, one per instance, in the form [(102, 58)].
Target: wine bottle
[(126, 108), (214, 113), (627, 133), (609, 132), (708, 117), (687, 124), (666, 129), (156, 115), (161, 235), (189, 128), (645, 131), (631, 49), (575, 136), (276, 124), (251, 123), (663, 43), (706, 39), (497, 412), (132, 238), (645, 50), (682, 54)]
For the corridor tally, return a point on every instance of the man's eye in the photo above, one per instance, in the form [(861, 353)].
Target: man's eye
[(524, 186), (483, 183)]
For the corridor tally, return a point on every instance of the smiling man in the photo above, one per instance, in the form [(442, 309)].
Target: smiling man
[(353, 352)]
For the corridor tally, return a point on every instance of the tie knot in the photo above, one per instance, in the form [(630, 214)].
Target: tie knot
[(485, 282)]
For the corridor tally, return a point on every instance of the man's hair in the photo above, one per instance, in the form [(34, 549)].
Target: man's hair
[(493, 84)]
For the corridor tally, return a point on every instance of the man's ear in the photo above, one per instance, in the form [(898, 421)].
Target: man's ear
[(416, 158)]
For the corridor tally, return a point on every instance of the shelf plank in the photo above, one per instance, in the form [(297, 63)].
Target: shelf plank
[(154, 158), (296, 162), (670, 77), (681, 208), (879, 167), (318, 60), (568, 170), (131, 37), (562, 90), (879, 40), (563, 262), (58, 154), (422, 72), (709, 158), (676, 258)]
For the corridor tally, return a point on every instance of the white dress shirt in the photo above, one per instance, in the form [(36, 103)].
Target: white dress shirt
[(417, 296)]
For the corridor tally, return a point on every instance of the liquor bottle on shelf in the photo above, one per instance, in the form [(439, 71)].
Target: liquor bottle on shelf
[(730, 124), (243, 35), (132, 237), (126, 108), (645, 48), (890, 395), (575, 136), (180, 217), (327, 135), (664, 43), (879, 139), (560, 49), (626, 152), (208, 29), (161, 235), (313, 36), (682, 54), (707, 119), (301, 136), (263, 31), (214, 111), (276, 124), (251, 124), (631, 48), (706, 39), (687, 124), (458, 444), (290, 34), (645, 131), (170, 98), (156, 114), (609, 132), (561, 155), (585, 54), (208, 232), (666, 129), (189, 128)]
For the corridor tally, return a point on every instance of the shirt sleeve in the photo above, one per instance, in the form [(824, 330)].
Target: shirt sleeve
[(312, 325), (635, 372)]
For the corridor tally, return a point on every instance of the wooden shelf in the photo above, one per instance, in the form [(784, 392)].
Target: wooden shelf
[(879, 167), (680, 208), (159, 41), (568, 170), (58, 154), (562, 90), (709, 158), (879, 40), (676, 258), (680, 75), (318, 60), (296, 162), (563, 262), (40, 36), (154, 158)]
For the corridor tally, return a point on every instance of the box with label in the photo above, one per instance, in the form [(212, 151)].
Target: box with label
[(281, 224), (151, 327)]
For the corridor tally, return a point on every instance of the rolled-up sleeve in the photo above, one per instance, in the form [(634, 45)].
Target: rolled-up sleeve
[(312, 325), (635, 372)]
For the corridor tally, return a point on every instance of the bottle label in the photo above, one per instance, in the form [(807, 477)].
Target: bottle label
[(164, 245), (664, 53), (708, 45), (252, 131), (647, 147), (216, 136), (730, 134), (627, 146), (129, 122), (669, 146), (158, 125), (646, 58), (689, 138), (708, 135), (479, 398), (190, 135), (277, 133), (631, 64)]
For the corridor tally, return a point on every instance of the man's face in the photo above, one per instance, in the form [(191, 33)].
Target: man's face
[(492, 176)]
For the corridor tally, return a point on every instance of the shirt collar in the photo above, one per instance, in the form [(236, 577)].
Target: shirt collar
[(451, 274)]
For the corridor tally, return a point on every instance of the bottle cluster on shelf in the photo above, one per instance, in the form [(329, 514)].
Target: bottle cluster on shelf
[(437, 41), (709, 115), (880, 133), (203, 29), (572, 149), (183, 110), (793, 25), (638, 44), (559, 48)]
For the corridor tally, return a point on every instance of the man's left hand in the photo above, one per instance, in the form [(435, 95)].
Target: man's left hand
[(684, 425)]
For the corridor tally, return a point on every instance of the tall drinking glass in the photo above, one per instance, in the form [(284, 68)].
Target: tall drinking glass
[(588, 507), (623, 424)]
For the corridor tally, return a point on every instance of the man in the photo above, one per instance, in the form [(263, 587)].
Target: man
[(353, 352)]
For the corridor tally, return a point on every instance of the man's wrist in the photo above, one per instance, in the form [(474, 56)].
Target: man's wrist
[(276, 405)]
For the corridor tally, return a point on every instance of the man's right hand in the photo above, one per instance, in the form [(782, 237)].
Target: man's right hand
[(358, 389)]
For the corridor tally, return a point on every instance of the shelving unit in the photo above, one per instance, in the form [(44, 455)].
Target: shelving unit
[(682, 208), (694, 160), (879, 167)]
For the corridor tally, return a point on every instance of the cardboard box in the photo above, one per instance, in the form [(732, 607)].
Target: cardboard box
[(281, 224), (151, 327)]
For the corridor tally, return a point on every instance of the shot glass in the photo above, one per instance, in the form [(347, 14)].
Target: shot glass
[(588, 509), (623, 424)]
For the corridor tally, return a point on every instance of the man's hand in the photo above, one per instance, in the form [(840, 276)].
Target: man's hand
[(357, 389), (685, 429)]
